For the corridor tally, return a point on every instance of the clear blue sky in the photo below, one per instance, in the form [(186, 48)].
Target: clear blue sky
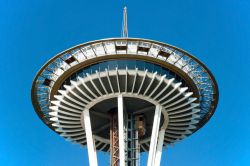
[(215, 31)]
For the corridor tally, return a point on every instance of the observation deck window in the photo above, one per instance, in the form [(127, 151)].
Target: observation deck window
[(99, 50), (79, 55), (88, 51), (70, 60), (47, 82), (121, 47), (154, 50), (110, 47), (132, 47), (143, 48), (163, 53)]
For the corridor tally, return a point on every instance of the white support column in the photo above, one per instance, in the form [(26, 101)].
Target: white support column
[(159, 147), (90, 141), (121, 131), (154, 136)]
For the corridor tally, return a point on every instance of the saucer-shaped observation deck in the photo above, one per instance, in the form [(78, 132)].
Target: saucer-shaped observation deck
[(147, 76)]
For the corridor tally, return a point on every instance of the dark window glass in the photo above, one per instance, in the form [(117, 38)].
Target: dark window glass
[(112, 65), (140, 65), (131, 64), (150, 67), (103, 66), (157, 68), (122, 64)]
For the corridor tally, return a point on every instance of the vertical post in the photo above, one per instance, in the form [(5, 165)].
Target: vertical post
[(121, 131), (154, 135), (90, 141), (137, 151), (114, 141), (159, 147), (125, 23)]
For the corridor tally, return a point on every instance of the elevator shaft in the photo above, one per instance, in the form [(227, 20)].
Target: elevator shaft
[(134, 127)]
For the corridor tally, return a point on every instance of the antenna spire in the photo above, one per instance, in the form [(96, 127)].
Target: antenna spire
[(125, 23)]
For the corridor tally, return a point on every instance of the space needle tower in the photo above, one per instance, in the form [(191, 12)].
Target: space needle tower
[(124, 96)]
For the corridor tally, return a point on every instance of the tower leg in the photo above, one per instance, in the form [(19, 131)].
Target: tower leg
[(154, 136), (90, 141), (121, 131), (159, 147)]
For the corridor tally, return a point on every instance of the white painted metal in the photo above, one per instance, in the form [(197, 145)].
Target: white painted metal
[(101, 82), (165, 88), (90, 142), (181, 92), (152, 80), (90, 78), (154, 135), (125, 24), (70, 130), (159, 147), (76, 95), (56, 110), (126, 80), (81, 91), (67, 103), (117, 79), (107, 72), (171, 91), (71, 101), (85, 86), (121, 131), (145, 75), (159, 84), (64, 94), (72, 135), (61, 98), (135, 76)]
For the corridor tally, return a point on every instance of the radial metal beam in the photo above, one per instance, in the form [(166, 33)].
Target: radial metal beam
[(121, 131), (154, 136), (90, 142)]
